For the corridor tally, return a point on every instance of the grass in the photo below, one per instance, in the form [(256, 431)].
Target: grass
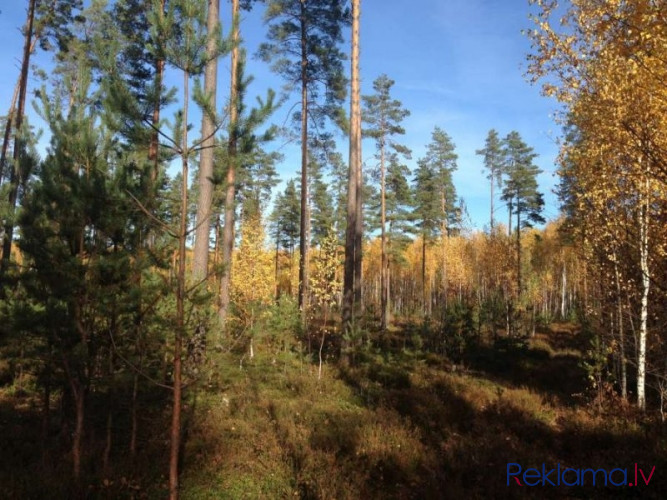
[(397, 423), (407, 425)]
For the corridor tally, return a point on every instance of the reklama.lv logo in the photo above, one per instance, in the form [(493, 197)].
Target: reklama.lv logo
[(575, 477)]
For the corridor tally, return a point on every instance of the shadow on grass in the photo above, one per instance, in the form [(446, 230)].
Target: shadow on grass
[(403, 425), (472, 427), (541, 369)]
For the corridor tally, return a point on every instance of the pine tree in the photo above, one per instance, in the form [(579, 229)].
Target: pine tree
[(493, 162), (182, 41), (435, 199), (285, 224), (399, 206), (355, 225), (338, 173), (18, 151), (520, 190), (321, 199), (328, 186), (142, 67), (72, 226), (230, 193), (256, 180), (137, 62), (243, 151), (303, 47), (211, 123), (384, 115), (286, 217), (427, 213), (399, 198)]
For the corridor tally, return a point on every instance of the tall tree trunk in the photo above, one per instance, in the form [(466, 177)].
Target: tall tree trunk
[(230, 195), (644, 208), (493, 180), (133, 417), (8, 130), (509, 220), (180, 305), (79, 402), (389, 303), (18, 141), (153, 148), (46, 408), (425, 299), (276, 266), (353, 233), (445, 236), (154, 145), (356, 115), (384, 285), (303, 233), (563, 292), (518, 252), (111, 396), (106, 455), (621, 331), (208, 129)]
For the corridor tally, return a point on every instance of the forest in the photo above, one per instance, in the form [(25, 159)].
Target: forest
[(178, 319)]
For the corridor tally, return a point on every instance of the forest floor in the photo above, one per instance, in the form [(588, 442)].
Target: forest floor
[(396, 423), (404, 425)]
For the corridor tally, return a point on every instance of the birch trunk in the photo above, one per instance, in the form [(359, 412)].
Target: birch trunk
[(645, 286)]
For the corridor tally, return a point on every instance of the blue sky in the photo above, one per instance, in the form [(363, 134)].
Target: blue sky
[(458, 64)]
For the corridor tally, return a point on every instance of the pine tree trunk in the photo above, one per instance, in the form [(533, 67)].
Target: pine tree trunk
[(303, 236), (445, 236), (276, 270), (180, 305), (493, 179), (359, 230), (230, 196), (424, 295), (389, 303), (46, 409), (79, 402), (208, 129), (133, 417), (106, 455), (353, 234), (509, 220), (518, 252), (153, 148), (356, 115), (384, 283), (8, 130), (18, 141)]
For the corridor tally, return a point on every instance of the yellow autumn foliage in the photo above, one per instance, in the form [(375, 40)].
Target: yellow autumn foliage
[(252, 278), (325, 274)]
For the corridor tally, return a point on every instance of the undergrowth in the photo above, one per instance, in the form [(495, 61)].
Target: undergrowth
[(403, 424)]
